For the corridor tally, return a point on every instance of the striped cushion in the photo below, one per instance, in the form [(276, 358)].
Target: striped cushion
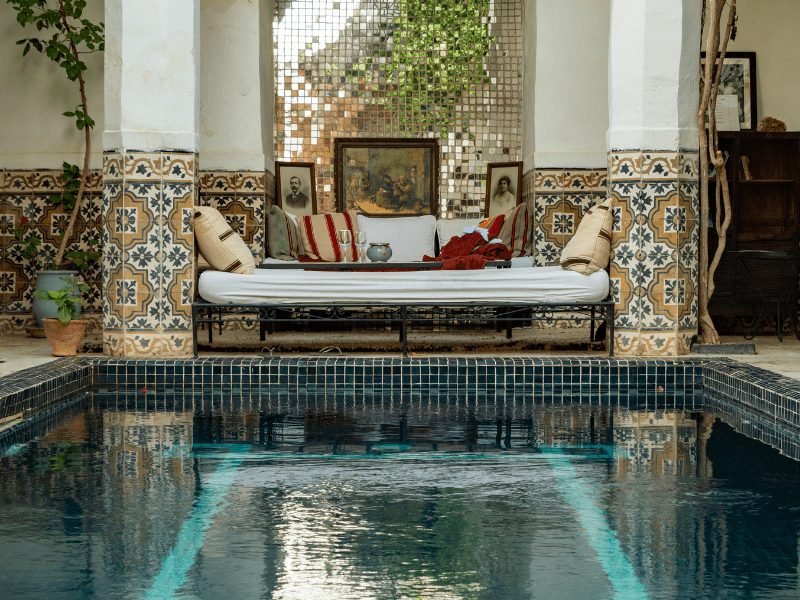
[(220, 245), (493, 224), (517, 227), (590, 248), (318, 234), (283, 236)]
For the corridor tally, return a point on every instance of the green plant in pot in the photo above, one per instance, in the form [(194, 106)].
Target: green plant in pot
[(67, 37), (66, 331)]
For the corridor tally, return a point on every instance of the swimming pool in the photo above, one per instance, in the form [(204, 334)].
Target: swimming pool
[(138, 494)]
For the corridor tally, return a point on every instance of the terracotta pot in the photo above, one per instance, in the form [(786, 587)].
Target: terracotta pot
[(65, 339)]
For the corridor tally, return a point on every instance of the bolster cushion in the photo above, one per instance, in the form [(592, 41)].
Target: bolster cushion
[(319, 235), (220, 245), (590, 248), (283, 235)]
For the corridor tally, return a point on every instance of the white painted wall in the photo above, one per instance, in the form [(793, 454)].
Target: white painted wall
[(770, 30), (152, 84), (653, 77), (571, 75), (236, 84), (529, 85), (33, 94)]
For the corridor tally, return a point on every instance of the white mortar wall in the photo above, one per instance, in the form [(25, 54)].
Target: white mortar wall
[(653, 83), (571, 74), (34, 92), (770, 29), (529, 86), (231, 95), (152, 75)]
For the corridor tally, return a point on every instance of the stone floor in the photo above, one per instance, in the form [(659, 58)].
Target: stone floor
[(19, 352)]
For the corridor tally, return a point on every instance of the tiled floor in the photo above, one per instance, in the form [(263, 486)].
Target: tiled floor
[(18, 352)]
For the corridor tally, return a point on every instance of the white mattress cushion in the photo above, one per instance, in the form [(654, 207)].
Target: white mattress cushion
[(409, 237), (448, 228), (297, 286)]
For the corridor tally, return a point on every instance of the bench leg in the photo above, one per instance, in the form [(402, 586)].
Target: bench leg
[(404, 330)]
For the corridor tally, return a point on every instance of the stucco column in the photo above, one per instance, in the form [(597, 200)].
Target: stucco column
[(652, 146), (237, 107), (150, 175)]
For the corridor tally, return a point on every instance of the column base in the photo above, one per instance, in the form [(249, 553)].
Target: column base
[(145, 344), (652, 343)]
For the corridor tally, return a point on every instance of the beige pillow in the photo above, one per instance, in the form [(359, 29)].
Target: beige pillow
[(220, 245), (590, 248), (318, 235)]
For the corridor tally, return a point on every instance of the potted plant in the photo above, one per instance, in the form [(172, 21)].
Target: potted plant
[(66, 331), (68, 36)]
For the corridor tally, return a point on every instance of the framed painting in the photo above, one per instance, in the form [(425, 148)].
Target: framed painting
[(503, 187), (295, 189), (385, 177), (738, 79)]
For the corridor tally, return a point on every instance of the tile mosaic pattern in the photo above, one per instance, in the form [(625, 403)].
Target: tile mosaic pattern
[(561, 198), (24, 207), (148, 255), (330, 87), (758, 403), (654, 250), (242, 197)]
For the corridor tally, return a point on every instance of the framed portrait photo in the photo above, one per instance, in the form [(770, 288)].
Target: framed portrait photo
[(385, 177), (503, 187), (738, 79), (295, 189)]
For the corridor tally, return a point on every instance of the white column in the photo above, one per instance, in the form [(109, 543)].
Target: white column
[(152, 75), (653, 74), (571, 38), (236, 86)]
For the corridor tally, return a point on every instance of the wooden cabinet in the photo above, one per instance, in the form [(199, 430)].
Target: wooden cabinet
[(760, 271)]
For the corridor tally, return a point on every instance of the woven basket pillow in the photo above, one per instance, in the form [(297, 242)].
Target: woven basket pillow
[(220, 245), (590, 248), (517, 227), (318, 235), (283, 236)]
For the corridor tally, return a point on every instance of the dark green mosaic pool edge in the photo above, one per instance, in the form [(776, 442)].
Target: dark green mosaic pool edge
[(758, 403)]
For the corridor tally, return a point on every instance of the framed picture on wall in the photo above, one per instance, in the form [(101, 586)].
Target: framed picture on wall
[(738, 79), (384, 177), (503, 187), (295, 189)]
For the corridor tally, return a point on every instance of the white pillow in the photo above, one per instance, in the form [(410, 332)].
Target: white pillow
[(409, 237), (447, 228)]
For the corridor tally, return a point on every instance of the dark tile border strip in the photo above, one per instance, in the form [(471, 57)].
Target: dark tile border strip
[(740, 394)]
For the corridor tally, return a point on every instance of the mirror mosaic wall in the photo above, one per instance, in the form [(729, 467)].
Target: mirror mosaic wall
[(450, 70)]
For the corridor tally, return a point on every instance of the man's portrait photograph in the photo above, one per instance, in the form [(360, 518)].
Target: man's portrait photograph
[(294, 188)]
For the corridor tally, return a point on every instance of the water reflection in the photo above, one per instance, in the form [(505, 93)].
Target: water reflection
[(455, 503)]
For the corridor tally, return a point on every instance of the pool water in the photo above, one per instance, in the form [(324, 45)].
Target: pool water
[(197, 499)]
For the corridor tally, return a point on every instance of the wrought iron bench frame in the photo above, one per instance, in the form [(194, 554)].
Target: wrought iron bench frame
[(403, 315)]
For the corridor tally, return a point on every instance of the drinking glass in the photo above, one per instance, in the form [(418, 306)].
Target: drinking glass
[(345, 239), (361, 244)]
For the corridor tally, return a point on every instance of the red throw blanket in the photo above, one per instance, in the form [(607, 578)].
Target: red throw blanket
[(470, 251)]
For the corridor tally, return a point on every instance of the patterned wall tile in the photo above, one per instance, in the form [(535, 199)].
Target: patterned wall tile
[(148, 265), (653, 267)]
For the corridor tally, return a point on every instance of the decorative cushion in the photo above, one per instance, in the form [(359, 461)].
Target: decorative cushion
[(409, 237), (220, 245), (283, 236), (318, 235), (516, 230), (590, 248), (449, 228), (494, 225)]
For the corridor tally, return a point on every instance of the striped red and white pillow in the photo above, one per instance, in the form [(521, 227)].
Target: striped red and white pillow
[(517, 227), (318, 234), (220, 245)]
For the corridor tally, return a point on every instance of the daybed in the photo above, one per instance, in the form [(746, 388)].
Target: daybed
[(399, 299)]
